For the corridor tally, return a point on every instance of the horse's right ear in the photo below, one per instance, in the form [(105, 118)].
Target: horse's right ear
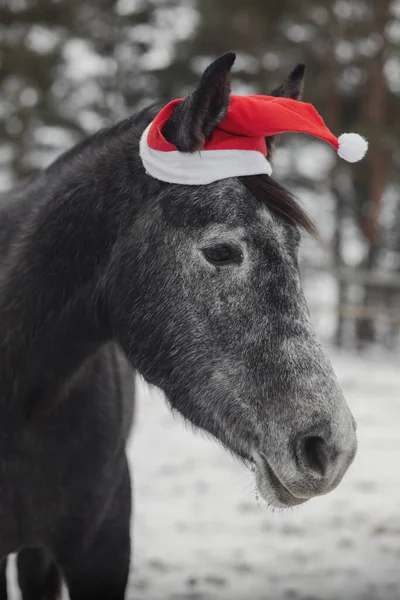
[(196, 117), (292, 88)]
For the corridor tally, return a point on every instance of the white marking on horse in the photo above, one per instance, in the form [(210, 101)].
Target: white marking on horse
[(13, 589)]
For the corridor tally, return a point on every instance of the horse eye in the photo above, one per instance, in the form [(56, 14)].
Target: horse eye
[(223, 254)]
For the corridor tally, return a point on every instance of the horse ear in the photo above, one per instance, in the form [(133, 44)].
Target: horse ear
[(196, 117), (292, 87)]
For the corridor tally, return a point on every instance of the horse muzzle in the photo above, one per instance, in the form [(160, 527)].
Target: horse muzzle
[(311, 465)]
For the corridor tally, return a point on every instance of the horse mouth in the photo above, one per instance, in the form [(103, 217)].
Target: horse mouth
[(270, 486)]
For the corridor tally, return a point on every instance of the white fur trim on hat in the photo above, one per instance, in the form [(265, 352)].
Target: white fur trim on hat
[(201, 167), (352, 147)]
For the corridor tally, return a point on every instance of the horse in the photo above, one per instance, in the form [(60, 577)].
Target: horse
[(106, 272)]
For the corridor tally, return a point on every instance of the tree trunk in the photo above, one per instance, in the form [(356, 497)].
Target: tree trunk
[(333, 118), (379, 165)]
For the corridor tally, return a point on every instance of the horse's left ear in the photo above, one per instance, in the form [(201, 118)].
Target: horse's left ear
[(292, 87), (196, 117)]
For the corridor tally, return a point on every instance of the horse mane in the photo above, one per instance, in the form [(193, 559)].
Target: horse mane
[(138, 120), (279, 200)]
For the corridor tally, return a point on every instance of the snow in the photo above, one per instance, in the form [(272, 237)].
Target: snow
[(200, 532)]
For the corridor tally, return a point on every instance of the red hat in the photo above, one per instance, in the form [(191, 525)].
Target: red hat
[(237, 146)]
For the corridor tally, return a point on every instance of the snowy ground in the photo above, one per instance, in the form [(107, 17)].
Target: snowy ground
[(199, 532)]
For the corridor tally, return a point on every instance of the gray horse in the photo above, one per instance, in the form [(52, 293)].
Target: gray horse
[(106, 271)]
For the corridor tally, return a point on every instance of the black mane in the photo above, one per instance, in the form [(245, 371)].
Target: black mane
[(279, 200)]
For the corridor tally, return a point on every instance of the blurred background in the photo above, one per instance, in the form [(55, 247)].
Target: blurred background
[(69, 67)]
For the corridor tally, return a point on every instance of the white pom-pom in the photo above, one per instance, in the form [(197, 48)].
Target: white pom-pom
[(352, 147)]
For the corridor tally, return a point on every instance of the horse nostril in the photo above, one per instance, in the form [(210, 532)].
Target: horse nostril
[(314, 454)]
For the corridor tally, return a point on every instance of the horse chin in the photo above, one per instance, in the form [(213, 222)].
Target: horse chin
[(271, 488)]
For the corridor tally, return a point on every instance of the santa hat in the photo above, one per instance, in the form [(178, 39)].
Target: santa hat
[(237, 146)]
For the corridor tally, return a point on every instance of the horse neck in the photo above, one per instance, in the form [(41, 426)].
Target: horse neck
[(52, 313)]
